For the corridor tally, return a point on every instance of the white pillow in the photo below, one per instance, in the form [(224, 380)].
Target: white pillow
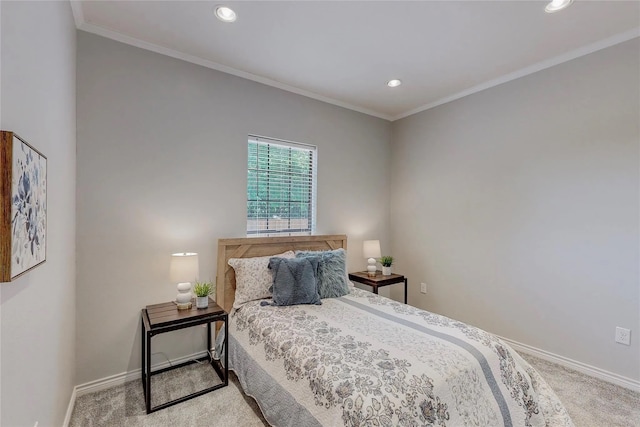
[(253, 277)]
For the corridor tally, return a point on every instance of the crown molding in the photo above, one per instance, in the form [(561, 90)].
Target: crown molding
[(114, 35), (78, 15), (548, 63), (81, 24)]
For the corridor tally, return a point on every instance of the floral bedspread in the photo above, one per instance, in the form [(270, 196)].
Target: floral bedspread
[(365, 360)]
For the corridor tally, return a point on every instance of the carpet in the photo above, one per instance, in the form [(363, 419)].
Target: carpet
[(589, 401), (123, 405)]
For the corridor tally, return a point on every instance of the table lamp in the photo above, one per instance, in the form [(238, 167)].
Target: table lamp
[(371, 250), (184, 270)]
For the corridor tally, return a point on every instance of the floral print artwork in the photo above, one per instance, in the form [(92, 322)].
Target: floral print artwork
[(28, 208)]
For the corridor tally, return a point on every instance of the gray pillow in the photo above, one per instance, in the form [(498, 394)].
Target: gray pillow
[(332, 272), (294, 281)]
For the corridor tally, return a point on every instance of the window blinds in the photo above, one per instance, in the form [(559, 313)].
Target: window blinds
[(281, 178)]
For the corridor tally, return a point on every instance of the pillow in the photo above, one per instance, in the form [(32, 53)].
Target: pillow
[(332, 272), (294, 281), (253, 277)]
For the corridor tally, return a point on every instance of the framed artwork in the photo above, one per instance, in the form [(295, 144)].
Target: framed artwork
[(23, 207)]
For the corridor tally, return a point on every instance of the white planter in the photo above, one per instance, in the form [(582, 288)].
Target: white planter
[(202, 302), (386, 271)]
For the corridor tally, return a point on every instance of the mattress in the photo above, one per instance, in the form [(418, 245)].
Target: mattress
[(366, 360)]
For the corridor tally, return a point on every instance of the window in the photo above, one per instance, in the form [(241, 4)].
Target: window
[(281, 193)]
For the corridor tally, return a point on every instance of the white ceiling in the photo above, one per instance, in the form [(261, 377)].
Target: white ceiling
[(344, 52)]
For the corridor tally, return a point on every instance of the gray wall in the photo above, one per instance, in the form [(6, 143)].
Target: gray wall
[(519, 207), (162, 168), (38, 309)]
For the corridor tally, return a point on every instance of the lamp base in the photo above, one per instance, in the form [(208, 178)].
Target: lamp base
[(371, 268), (184, 306)]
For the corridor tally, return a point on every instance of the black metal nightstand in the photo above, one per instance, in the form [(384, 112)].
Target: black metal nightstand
[(379, 280), (161, 318)]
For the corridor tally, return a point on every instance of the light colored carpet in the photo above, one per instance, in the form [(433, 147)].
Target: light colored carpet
[(590, 402), (123, 405)]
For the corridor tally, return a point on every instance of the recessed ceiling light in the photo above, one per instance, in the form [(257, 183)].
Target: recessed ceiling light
[(557, 5), (225, 14), (394, 83)]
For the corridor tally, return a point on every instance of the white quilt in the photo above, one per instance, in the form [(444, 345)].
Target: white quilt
[(365, 360)]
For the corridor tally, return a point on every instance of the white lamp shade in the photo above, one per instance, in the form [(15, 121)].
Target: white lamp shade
[(371, 249), (184, 267)]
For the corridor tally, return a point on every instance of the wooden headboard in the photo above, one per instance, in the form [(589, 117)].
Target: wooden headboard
[(247, 247)]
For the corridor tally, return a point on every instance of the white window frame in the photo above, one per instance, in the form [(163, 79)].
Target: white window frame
[(274, 226)]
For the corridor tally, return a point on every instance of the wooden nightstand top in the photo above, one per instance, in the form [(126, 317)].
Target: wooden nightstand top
[(377, 280), (167, 313)]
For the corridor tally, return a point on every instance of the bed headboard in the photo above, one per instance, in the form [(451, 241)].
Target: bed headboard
[(247, 247)]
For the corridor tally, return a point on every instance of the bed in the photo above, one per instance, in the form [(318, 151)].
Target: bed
[(366, 360)]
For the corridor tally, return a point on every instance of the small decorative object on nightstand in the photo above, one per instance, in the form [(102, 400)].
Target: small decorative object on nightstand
[(386, 262), (202, 291), (379, 280), (371, 250)]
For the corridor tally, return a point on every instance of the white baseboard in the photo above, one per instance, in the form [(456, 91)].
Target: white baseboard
[(72, 404), (122, 378), (592, 371), (119, 379)]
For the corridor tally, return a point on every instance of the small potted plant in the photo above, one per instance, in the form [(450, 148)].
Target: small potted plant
[(386, 262), (202, 291)]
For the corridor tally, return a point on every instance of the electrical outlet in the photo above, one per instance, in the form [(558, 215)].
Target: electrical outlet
[(623, 335), (423, 288)]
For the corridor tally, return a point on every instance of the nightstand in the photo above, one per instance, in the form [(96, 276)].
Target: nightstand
[(379, 280), (160, 318)]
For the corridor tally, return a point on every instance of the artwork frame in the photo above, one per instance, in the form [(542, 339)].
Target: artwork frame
[(23, 207)]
